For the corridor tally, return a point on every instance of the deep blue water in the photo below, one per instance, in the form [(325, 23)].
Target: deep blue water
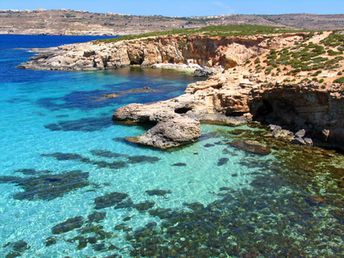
[(62, 157)]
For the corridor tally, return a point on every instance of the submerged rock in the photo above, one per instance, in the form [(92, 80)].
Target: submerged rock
[(222, 161), (99, 247), (158, 192), (143, 206), (20, 246), (179, 164), (107, 154), (122, 227), (109, 200), (96, 216), (65, 156), (68, 225), (251, 146), (29, 171), (145, 89), (195, 206), (76, 157), (315, 200), (48, 187), (161, 213), (90, 124), (142, 159), (50, 241)]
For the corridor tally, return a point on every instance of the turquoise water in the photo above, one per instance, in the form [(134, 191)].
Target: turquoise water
[(61, 156)]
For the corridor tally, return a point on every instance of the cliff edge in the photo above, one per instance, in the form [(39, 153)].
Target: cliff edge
[(291, 79)]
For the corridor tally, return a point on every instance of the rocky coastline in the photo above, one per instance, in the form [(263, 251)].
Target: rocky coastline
[(245, 82)]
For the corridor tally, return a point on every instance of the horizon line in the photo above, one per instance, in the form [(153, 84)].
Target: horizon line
[(145, 15)]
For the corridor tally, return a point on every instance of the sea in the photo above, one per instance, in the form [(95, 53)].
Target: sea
[(72, 186)]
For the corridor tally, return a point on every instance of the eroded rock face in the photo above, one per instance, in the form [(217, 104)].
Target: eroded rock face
[(297, 107), (170, 133), (171, 128), (243, 87), (198, 50), (177, 121)]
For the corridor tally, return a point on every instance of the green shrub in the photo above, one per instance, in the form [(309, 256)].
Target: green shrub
[(334, 53), (335, 39), (222, 30), (339, 80)]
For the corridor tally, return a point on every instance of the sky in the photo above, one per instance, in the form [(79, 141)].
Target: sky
[(183, 7)]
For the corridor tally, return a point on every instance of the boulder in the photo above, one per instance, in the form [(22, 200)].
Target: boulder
[(274, 127), (300, 133), (171, 133), (308, 141), (298, 140), (283, 134), (203, 72)]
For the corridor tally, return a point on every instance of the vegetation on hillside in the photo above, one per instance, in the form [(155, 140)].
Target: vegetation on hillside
[(336, 39), (225, 30), (305, 59), (309, 56)]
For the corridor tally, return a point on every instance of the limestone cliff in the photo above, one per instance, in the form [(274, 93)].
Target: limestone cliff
[(205, 51), (289, 79)]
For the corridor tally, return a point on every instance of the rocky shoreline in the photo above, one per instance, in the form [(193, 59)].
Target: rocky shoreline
[(244, 83)]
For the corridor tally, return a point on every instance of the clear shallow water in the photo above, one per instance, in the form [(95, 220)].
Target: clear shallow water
[(60, 152)]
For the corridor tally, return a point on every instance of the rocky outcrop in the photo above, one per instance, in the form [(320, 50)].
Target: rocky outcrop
[(177, 121), (184, 50), (307, 110), (298, 138), (177, 131), (246, 82), (171, 127), (318, 111)]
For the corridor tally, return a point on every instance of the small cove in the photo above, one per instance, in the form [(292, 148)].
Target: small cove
[(64, 160)]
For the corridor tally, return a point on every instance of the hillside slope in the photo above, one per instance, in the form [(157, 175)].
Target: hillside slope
[(68, 22)]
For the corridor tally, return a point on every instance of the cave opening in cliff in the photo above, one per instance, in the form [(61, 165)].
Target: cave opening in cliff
[(263, 110), (182, 110), (137, 61)]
